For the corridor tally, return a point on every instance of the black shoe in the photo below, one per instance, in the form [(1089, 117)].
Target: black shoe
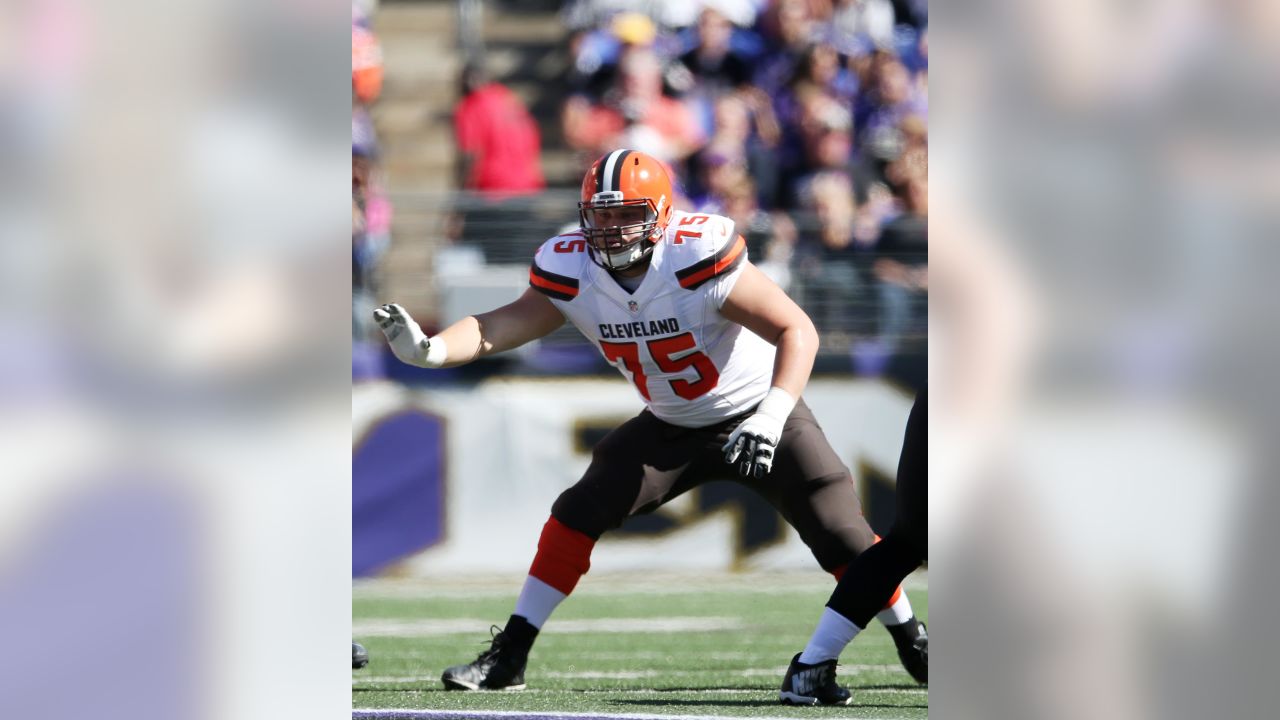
[(912, 639), (501, 667), (812, 685), (359, 656)]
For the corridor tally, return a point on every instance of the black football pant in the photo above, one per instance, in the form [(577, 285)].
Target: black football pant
[(873, 576)]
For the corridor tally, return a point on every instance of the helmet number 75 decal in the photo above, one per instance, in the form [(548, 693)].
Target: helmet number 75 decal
[(662, 351)]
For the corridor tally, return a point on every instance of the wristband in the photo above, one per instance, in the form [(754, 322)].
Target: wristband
[(777, 404), (437, 352)]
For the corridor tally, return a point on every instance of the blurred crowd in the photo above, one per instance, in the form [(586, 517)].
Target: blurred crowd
[(370, 208), (805, 121)]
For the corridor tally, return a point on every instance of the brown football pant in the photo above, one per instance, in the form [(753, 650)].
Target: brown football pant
[(645, 462)]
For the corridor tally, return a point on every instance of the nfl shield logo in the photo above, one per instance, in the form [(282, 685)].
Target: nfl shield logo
[(632, 306)]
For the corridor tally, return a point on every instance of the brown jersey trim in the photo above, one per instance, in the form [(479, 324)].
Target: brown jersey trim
[(560, 287), (723, 262)]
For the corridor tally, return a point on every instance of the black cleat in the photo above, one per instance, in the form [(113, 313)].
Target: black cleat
[(359, 656), (501, 667), (912, 639), (812, 685)]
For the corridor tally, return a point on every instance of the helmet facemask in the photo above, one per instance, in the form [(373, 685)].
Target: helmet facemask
[(619, 232)]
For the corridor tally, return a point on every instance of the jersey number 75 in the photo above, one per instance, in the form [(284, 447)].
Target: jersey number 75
[(661, 350)]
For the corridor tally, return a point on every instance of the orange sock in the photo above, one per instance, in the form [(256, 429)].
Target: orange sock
[(564, 556)]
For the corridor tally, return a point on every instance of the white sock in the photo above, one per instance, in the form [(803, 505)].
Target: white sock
[(897, 613), (833, 633), (537, 601)]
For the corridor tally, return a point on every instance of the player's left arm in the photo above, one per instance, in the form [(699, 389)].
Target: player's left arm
[(759, 305)]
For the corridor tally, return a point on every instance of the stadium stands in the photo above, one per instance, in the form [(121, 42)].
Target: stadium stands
[(809, 129)]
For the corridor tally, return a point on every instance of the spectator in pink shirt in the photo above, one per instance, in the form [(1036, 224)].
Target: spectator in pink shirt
[(498, 141)]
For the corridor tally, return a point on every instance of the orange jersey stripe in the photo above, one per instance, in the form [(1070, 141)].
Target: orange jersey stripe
[(534, 279)]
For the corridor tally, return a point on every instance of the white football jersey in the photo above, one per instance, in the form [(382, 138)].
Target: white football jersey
[(692, 366)]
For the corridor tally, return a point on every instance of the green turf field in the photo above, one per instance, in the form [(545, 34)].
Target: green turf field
[(623, 644)]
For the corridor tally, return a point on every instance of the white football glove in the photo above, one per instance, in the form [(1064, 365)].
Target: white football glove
[(754, 441), (408, 342)]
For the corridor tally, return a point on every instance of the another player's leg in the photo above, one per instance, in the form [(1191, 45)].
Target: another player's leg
[(621, 479), (815, 492), (910, 636), (812, 684), (876, 573), (860, 596)]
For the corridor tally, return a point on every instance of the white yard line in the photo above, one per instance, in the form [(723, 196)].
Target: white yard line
[(459, 626), (611, 585), (371, 714), (649, 691), (461, 714), (779, 671)]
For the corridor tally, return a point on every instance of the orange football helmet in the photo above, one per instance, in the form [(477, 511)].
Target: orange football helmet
[(625, 208)]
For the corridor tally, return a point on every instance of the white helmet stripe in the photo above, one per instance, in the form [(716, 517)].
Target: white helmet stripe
[(606, 180)]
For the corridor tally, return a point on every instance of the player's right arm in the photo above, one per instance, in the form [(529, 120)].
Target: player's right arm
[(528, 318)]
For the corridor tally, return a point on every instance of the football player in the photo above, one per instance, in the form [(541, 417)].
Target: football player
[(720, 356), (871, 578)]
